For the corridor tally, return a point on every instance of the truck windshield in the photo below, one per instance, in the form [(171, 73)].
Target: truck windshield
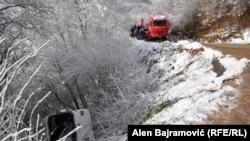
[(159, 22)]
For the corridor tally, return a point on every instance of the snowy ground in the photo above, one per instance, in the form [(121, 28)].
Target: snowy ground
[(185, 74), (244, 40), (244, 36)]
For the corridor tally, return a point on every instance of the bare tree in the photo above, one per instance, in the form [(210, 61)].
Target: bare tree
[(20, 19), (13, 108)]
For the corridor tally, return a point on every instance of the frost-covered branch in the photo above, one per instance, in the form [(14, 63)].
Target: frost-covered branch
[(70, 133), (13, 106)]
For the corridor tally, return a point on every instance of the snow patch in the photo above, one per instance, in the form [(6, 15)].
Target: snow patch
[(244, 40), (188, 45)]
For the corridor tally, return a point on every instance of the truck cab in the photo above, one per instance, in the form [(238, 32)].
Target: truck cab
[(157, 27), (62, 124)]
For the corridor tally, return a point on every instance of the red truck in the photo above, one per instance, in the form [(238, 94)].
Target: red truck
[(157, 27)]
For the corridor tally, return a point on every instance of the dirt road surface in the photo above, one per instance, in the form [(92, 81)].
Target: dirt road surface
[(241, 113)]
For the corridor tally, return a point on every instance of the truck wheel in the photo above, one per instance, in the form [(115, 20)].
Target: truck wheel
[(148, 38)]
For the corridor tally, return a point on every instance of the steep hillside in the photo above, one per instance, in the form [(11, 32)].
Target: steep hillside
[(221, 21), (184, 97)]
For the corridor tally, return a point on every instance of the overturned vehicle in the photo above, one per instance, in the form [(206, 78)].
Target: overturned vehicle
[(73, 125)]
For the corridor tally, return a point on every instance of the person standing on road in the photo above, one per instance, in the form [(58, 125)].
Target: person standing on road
[(133, 31)]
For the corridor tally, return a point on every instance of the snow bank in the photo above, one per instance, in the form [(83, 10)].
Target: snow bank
[(244, 40), (186, 76)]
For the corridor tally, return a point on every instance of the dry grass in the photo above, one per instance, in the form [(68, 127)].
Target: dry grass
[(194, 51)]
